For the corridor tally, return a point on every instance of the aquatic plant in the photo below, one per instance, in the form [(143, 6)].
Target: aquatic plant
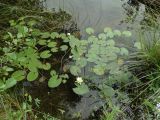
[(24, 54), (26, 51), (101, 52)]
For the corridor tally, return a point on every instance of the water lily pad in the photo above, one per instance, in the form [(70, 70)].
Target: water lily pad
[(75, 70), (138, 45), (108, 91), (127, 33), (90, 31), (19, 75), (124, 51), (54, 35), (54, 81), (42, 42), (107, 29), (110, 34), (10, 83), (52, 44), (55, 49), (82, 62), (102, 36), (45, 54), (53, 72), (81, 89), (32, 76), (99, 70), (46, 66), (64, 47), (111, 42), (117, 32), (45, 35)]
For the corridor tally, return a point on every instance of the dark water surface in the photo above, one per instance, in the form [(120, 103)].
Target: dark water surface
[(88, 13)]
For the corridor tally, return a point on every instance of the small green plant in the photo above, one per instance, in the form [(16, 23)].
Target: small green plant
[(148, 56), (26, 52), (13, 109), (146, 64), (113, 114)]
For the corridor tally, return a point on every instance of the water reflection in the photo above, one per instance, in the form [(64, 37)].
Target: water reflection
[(94, 13), (101, 13)]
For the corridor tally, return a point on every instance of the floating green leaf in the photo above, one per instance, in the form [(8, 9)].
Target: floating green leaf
[(90, 30), (108, 91), (19, 75), (32, 67), (45, 54), (110, 34), (110, 42), (75, 70), (81, 62), (99, 70), (36, 32), (81, 89), (10, 83), (45, 35), (9, 69), (55, 49), (117, 32), (53, 72), (138, 45), (54, 81), (107, 29), (52, 44), (54, 35), (102, 36), (64, 47), (42, 42), (47, 66), (124, 51), (32, 75), (127, 33)]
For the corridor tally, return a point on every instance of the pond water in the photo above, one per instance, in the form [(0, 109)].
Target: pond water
[(88, 13), (102, 13)]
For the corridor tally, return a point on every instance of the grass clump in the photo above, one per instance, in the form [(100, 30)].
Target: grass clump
[(146, 66)]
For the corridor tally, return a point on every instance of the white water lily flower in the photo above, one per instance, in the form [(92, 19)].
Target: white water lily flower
[(70, 56), (79, 80), (158, 106), (68, 34)]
